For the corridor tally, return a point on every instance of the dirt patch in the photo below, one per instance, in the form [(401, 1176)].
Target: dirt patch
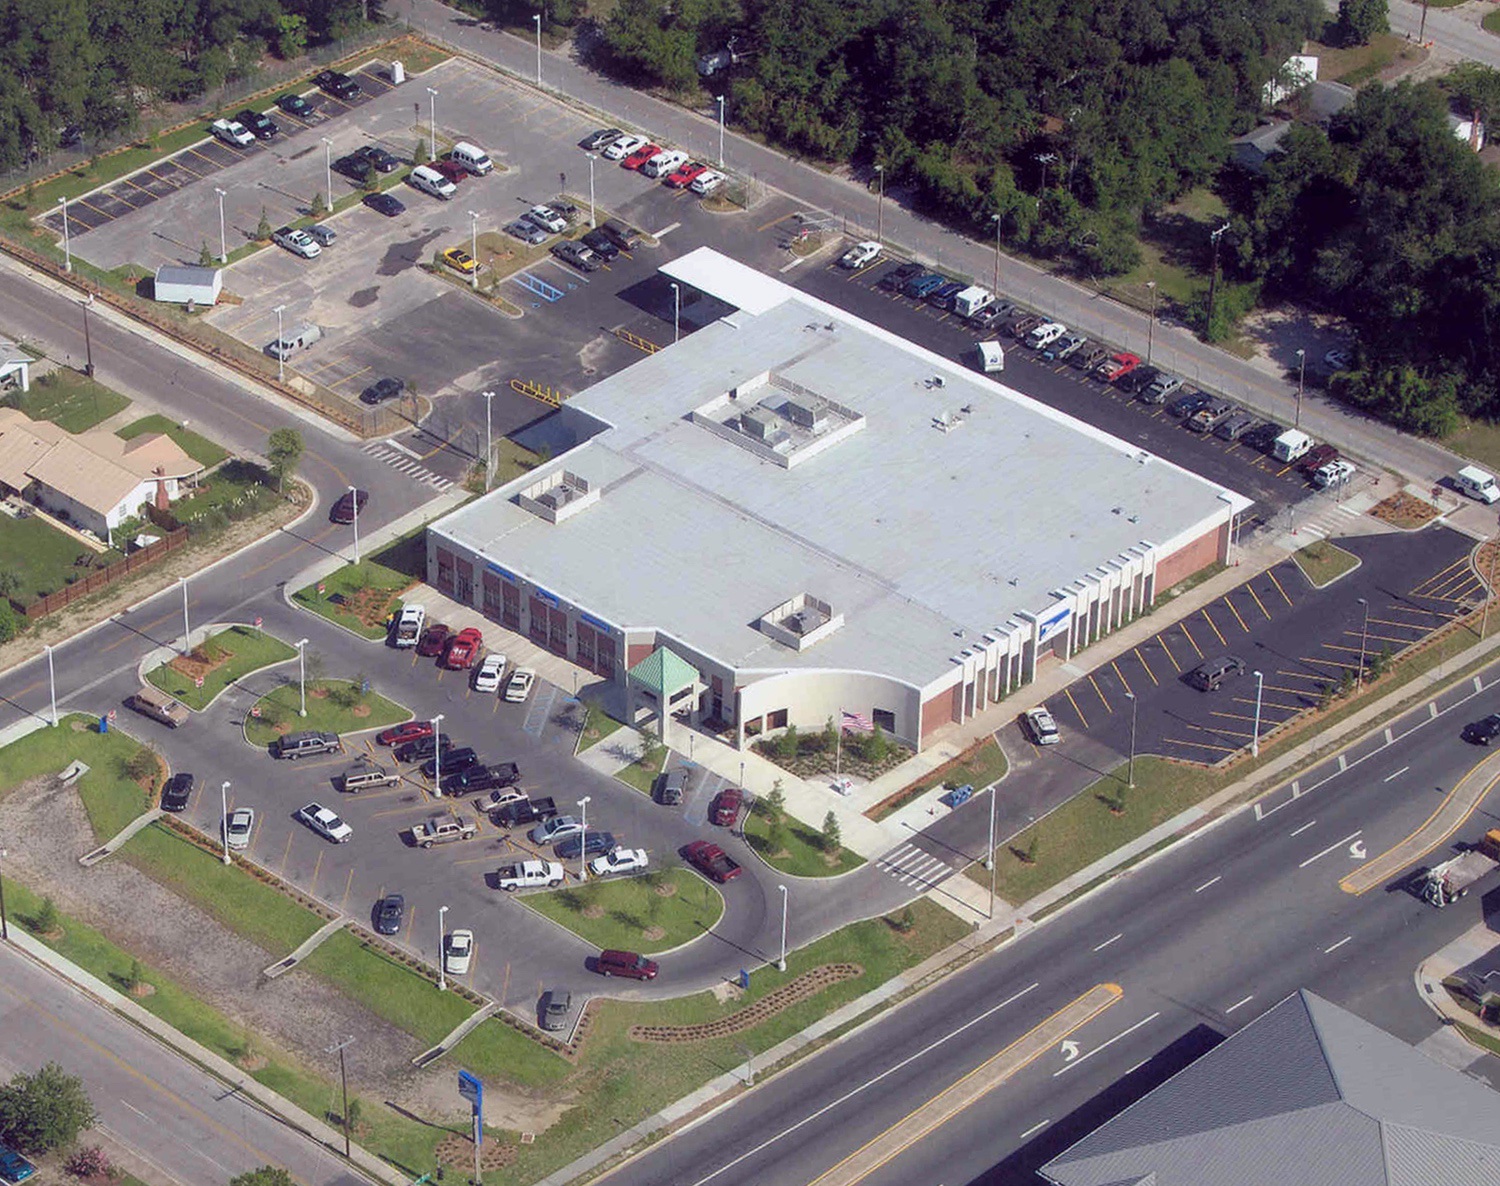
[(593, 910), (203, 660), (667, 888), (727, 991), (360, 711), (458, 1152), (654, 934), (370, 605), (806, 985), (1405, 511), (513, 1109)]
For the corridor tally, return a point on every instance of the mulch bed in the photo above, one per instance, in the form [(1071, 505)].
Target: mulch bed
[(806, 985), (1404, 510), (459, 1152), (369, 605), (198, 664)]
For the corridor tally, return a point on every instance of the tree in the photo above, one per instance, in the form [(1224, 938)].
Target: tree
[(10, 582), (419, 155), (283, 451), (1362, 20), (263, 227), (291, 36), (267, 1175), (133, 976), (775, 802), (1031, 847), (319, 206), (44, 1111), (46, 921), (205, 256), (10, 622), (143, 765), (788, 743), (830, 737), (832, 836)]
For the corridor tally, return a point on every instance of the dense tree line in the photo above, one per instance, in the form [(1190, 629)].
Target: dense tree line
[(94, 64), (1392, 221)]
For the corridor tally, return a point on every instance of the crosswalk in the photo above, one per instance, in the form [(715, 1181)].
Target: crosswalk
[(403, 464), (1330, 522), (911, 866)]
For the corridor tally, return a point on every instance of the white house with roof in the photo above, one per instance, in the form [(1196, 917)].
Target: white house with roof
[(15, 366)]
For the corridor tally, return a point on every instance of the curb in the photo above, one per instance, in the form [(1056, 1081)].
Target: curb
[(156, 660)]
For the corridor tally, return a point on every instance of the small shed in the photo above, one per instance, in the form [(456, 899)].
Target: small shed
[(188, 285), (15, 366)]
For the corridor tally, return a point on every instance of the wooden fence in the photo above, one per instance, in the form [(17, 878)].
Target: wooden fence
[(101, 578)]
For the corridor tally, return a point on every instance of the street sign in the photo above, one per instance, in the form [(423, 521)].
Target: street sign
[(255, 711), (364, 687), (258, 621), (111, 715), (198, 682), (473, 1090), (322, 588)]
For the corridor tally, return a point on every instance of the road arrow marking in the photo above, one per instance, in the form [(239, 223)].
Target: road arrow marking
[(1357, 850), (1069, 1050)]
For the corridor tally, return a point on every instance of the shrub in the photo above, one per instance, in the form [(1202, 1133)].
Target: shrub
[(788, 743), (89, 1162), (46, 920), (143, 764), (832, 835)]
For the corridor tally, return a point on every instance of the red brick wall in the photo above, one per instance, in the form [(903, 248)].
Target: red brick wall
[(1183, 563), (940, 710), (635, 652)]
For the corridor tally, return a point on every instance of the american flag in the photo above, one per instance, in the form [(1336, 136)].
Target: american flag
[(857, 722)]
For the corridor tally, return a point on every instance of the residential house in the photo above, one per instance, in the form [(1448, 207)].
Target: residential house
[(15, 366)]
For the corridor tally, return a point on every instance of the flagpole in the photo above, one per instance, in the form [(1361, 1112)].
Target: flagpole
[(838, 747)]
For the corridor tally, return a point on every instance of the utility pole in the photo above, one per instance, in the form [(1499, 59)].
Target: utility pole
[(1151, 326), (1213, 279), (88, 345), (1301, 376), (1422, 28), (880, 207), (344, 1084)]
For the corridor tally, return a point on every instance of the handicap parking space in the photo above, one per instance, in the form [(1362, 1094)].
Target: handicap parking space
[(1304, 642)]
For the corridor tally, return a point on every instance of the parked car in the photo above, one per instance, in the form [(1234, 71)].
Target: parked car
[(942, 296), (325, 823), (238, 826), (452, 170), (1087, 357), (1317, 457), (1063, 347), (348, 506), (434, 640), (1208, 417), (577, 255), (861, 255), (453, 761), (296, 105), (990, 315), (489, 673), (572, 847), (626, 963), (664, 163), (1338, 360), (297, 242), (387, 204), (1484, 731), (458, 952), (339, 85), (259, 124), (231, 132), (727, 806), (1185, 405), (619, 860), (595, 141), (559, 827), (390, 914), (423, 747), (381, 390), (670, 786), (519, 687), (626, 238), (1040, 726), (377, 157), (306, 743), (15, 1169), (1162, 387), (1210, 675), (1262, 436), (686, 175), (460, 260), (483, 778), (1233, 426), (601, 245), (1334, 473), (640, 156), (557, 1003), (897, 278), (176, 792), (1116, 367), (1022, 324), (464, 649), (622, 146), (322, 234), (706, 182), (919, 286), (400, 734), (528, 232), (711, 861)]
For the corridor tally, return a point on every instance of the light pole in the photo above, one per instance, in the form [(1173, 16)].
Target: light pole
[(1260, 681), (328, 168), (676, 314), (52, 683), (442, 939), (583, 848), (1364, 640), (354, 496), (781, 963), (437, 754), (88, 342), (4, 927), (224, 817), (280, 346), (489, 448), (432, 121), (223, 244), (67, 247), (301, 645), (344, 1087), (537, 17), (989, 852), (186, 631), (592, 222), (719, 99), (474, 248), (880, 208), (995, 218), (1301, 375), (1151, 325), (1134, 704)]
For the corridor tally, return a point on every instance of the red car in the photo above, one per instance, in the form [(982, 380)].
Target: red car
[(464, 649), (401, 734), (1117, 366), (640, 156), (686, 175), (452, 170), (727, 806), (626, 963), (712, 861), (434, 640)]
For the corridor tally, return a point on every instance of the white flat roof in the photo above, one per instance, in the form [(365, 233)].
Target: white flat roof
[(921, 538)]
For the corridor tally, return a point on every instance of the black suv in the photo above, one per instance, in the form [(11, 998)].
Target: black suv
[(895, 280), (454, 760), (422, 747), (340, 86), (481, 778), (601, 245), (1483, 732), (174, 796), (624, 237), (670, 787), (374, 155), (381, 390), (260, 125), (1262, 436), (1207, 677)]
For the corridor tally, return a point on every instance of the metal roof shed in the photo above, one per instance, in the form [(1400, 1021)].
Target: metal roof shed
[(188, 286)]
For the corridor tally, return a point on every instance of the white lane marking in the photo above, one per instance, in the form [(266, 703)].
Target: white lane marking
[(849, 1095), (1106, 1045), (666, 230), (1034, 1129), (1310, 824), (1343, 763), (400, 448), (1390, 738), (1336, 946), (1398, 774), (1107, 942), (136, 1110), (790, 266), (1237, 1004), (1206, 884), (1432, 710), (1138, 1066), (1337, 844)]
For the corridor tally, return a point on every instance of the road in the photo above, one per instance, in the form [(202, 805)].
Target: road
[(1272, 393), (1202, 940), (185, 1125)]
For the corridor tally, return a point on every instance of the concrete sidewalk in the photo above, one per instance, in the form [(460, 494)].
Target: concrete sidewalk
[(1475, 951)]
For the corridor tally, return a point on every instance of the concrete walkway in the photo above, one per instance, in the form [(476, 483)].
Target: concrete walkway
[(125, 833), (1475, 953), (305, 948), (460, 1032)]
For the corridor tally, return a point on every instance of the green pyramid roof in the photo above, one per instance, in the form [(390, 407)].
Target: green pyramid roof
[(664, 673)]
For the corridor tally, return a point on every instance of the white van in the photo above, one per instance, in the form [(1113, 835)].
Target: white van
[(1291, 445), (668, 161), (1478, 484), (430, 181), (472, 157), (991, 356), (297, 338)]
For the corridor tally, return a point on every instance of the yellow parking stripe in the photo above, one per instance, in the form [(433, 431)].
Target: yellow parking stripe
[(1272, 574), (1069, 694), (1162, 639), (1258, 602), (1142, 660), (1190, 638), (1222, 749), (1236, 614), (1100, 694), (312, 886), (1120, 676), (344, 901), (1222, 640), (1327, 662)]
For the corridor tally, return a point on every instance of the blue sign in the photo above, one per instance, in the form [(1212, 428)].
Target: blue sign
[(543, 595), (596, 623), (495, 568), (473, 1090), (1053, 623), (744, 978)]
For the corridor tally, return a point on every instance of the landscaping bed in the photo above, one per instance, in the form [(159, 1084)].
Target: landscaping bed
[(642, 773), (812, 755), (219, 661), (809, 984), (653, 912), (798, 849), (333, 706), (1322, 563), (978, 766), (1404, 510), (360, 597)]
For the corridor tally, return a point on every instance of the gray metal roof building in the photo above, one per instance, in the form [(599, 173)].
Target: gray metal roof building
[(791, 463), (1308, 1094)]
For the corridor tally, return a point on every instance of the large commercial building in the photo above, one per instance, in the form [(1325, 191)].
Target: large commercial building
[(793, 513)]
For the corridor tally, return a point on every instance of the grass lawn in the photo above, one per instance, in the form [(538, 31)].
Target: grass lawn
[(71, 400), (626, 907), (977, 766), (1356, 65), (1084, 828), (1323, 563), (800, 851), (40, 555), (243, 648), (202, 450), (598, 725), (1479, 439), (238, 489), (1491, 21), (242, 902), (324, 712), (110, 796), (357, 596), (643, 777)]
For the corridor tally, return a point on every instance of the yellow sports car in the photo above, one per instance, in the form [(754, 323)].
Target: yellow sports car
[(460, 260)]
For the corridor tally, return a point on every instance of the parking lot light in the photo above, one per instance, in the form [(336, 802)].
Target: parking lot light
[(301, 645), (781, 963), (1151, 325), (328, 168), (994, 218), (719, 99), (67, 247), (437, 755), (489, 448), (592, 221), (432, 120), (52, 682), (186, 631), (880, 209), (223, 245), (280, 349), (537, 17), (224, 817), (1260, 681), (474, 249), (676, 314), (354, 494), (1134, 704), (1364, 641), (442, 943), (583, 849), (1301, 376)]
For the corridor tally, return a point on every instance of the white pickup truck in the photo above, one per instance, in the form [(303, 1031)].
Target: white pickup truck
[(443, 829), (231, 132), (528, 875)]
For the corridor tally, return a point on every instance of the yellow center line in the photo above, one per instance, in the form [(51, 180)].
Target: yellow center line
[(1142, 660), (1069, 694), (1121, 677), (1193, 641), (1258, 602), (1100, 694), (1212, 626), (1236, 614), (1271, 572)]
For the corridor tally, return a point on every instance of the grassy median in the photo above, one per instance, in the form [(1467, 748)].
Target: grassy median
[(795, 848), (662, 909), (333, 706), (228, 656), (111, 795), (358, 597)]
